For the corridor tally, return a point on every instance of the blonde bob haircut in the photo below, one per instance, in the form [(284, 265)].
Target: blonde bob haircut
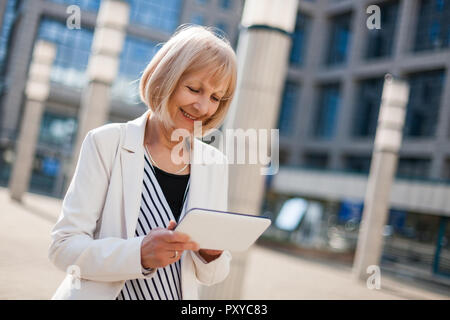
[(191, 48)]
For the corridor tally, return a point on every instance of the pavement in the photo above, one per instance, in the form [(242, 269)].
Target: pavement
[(26, 272)]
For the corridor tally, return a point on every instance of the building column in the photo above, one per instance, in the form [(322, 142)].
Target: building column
[(348, 85), (406, 31), (314, 58), (383, 166), (20, 54), (263, 57), (442, 130), (36, 92), (2, 13), (103, 66)]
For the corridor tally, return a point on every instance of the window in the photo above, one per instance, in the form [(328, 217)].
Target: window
[(328, 106), (57, 131), (340, 35), (72, 52), (367, 107), (198, 19), (409, 167), (89, 5), (288, 106), (380, 41), (159, 14), (357, 164), (315, 160), (223, 28), (5, 35), (424, 103), (299, 39), (226, 4), (433, 25), (136, 54)]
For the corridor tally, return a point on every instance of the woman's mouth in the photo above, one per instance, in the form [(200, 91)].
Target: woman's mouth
[(187, 115)]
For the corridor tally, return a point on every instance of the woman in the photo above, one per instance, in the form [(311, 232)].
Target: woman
[(115, 232)]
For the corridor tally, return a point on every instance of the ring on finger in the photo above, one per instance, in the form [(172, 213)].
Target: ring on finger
[(175, 255)]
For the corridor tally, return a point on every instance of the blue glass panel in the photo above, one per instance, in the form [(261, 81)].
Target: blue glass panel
[(340, 34), (89, 5), (198, 19), (225, 4), (327, 112), (57, 131), (366, 107), (159, 14), (288, 105), (424, 103), (5, 32), (299, 39), (433, 26), (72, 52), (136, 54)]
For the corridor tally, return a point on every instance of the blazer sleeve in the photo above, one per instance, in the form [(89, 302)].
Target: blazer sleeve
[(73, 243), (217, 270)]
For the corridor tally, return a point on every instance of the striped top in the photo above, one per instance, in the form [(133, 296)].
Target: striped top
[(155, 212)]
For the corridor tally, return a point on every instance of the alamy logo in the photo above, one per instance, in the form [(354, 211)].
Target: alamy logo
[(374, 20), (73, 21), (374, 280), (251, 146), (75, 275)]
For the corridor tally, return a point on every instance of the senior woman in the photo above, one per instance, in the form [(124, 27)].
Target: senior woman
[(115, 236)]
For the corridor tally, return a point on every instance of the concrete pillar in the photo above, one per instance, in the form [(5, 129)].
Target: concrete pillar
[(384, 163), (102, 69), (442, 130), (20, 53), (263, 55), (349, 85), (315, 51), (36, 92)]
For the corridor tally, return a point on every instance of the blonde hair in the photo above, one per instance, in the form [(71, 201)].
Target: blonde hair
[(190, 49)]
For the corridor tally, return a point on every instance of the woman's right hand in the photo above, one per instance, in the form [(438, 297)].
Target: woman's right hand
[(159, 247)]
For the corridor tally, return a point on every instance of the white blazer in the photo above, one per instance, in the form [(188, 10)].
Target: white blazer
[(95, 230)]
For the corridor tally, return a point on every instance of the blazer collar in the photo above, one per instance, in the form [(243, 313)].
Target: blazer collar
[(135, 132)]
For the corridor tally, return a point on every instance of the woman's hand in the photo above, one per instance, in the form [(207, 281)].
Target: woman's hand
[(162, 247)]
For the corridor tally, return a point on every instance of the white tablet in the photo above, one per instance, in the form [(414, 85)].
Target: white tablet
[(221, 230)]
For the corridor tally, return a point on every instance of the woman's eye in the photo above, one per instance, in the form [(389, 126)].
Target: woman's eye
[(193, 90), (216, 99)]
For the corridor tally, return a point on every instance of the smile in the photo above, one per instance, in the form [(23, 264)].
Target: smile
[(187, 115)]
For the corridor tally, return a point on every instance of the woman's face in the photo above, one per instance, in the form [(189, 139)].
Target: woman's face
[(194, 99)]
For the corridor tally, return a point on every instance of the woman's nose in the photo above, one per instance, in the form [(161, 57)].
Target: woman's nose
[(201, 107)]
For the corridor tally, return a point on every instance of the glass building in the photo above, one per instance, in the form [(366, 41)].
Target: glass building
[(327, 142), (22, 22)]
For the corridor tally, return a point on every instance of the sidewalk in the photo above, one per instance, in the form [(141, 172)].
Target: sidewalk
[(26, 273)]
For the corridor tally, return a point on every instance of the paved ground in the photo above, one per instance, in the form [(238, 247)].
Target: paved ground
[(26, 273)]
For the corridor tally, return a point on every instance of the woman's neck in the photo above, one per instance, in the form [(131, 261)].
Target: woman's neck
[(157, 136)]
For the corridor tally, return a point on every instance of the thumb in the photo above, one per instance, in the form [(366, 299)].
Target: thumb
[(172, 225)]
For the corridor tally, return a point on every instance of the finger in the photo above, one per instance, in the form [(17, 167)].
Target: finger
[(174, 254), (181, 246), (172, 225), (175, 236)]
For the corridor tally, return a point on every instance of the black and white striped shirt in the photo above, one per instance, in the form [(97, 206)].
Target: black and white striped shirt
[(155, 212)]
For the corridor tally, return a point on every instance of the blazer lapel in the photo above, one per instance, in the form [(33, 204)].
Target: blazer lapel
[(132, 161)]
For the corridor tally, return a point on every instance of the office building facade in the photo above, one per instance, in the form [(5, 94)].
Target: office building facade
[(328, 120)]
